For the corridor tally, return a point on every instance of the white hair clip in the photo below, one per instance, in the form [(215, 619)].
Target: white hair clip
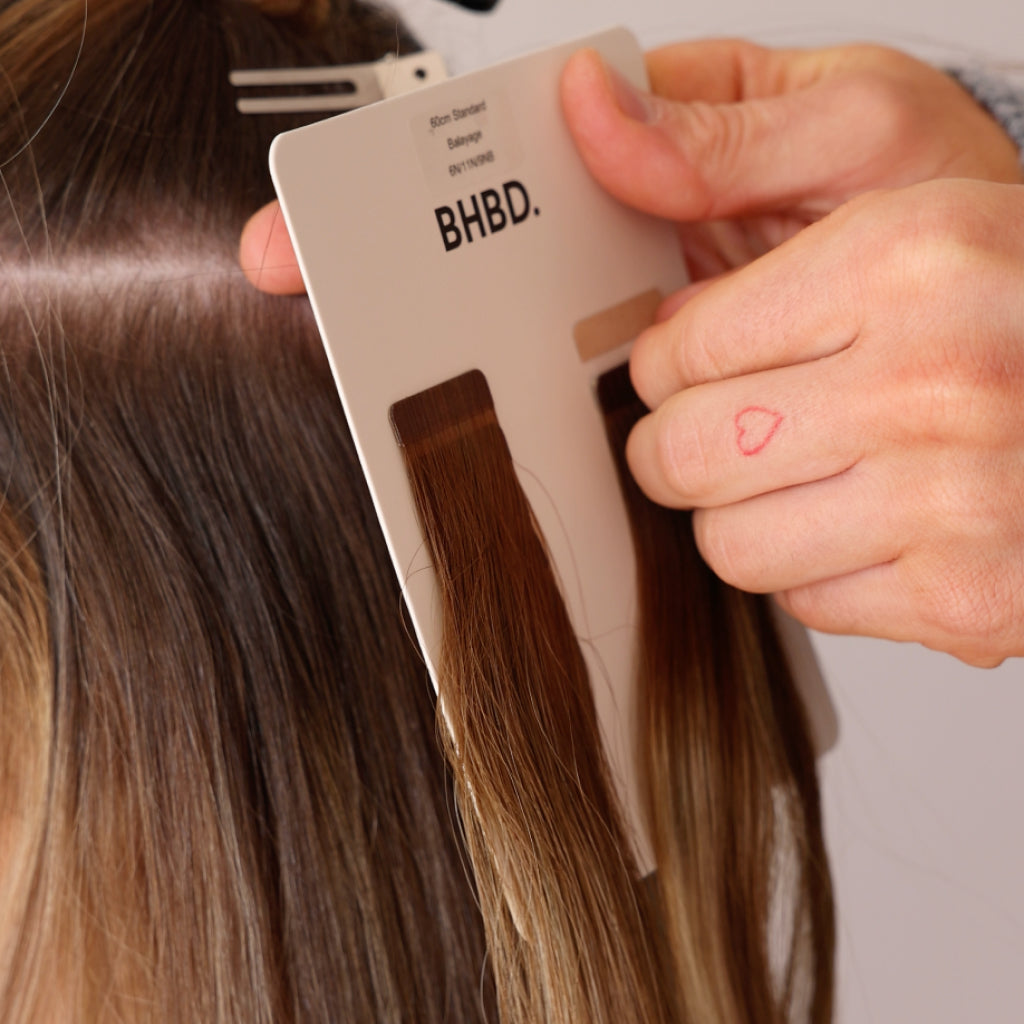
[(336, 89)]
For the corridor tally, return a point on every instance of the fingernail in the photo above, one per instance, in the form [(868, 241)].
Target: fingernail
[(632, 102)]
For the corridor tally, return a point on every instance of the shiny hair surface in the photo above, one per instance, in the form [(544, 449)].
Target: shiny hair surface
[(737, 924), (221, 794)]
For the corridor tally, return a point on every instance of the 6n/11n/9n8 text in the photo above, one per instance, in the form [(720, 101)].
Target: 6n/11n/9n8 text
[(480, 160)]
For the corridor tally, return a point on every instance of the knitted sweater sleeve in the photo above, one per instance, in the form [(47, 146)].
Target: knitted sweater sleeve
[(1003, 99)]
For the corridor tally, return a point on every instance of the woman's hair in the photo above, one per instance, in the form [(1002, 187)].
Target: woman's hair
[(222, 795)]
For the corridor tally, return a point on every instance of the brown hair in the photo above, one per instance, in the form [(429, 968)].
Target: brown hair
[(731, 792), (221, 794), (729, 776), (569, 940), (221, 797)]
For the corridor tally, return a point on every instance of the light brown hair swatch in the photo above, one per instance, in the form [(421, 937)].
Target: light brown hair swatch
[(729, 776), (737, 924)]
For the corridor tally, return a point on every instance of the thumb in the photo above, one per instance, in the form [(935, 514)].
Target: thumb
[(703, 160)]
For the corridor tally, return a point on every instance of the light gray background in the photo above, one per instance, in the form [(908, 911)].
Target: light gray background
[(923, 794)]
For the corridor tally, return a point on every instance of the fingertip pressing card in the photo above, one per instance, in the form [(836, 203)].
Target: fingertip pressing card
[(456, 228)]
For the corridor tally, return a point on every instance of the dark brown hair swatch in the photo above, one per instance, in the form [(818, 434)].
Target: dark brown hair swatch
[(567, 933), (729, 776), (737, 924)]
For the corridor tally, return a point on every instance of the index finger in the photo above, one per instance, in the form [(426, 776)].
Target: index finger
[(729, 70), (801, 301), (266, 254)]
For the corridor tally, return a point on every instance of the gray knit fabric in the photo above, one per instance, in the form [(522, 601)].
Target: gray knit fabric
[(1001, 98)]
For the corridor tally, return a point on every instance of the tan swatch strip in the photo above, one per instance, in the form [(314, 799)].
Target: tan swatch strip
[(614, 326)]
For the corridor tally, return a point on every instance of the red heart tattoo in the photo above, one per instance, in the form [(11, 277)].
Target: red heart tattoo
[(755, 427)]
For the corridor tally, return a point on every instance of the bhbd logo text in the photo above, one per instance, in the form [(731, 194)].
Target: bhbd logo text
[(488, 212)]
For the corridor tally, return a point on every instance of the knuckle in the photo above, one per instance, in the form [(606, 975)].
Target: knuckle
[(804, 604), (889, 109), (728, 550), (963, 395), (681, 453), (694, 354), (709, 139), (938, 228), (939, 399), (952, 358), (970, 614), (921, 238)]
